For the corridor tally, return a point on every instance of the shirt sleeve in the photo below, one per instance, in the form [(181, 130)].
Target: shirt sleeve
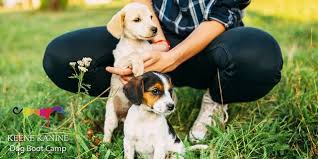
[(227, 12)]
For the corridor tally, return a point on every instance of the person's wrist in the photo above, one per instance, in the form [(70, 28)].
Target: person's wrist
[(164, 46), (160, 47), (163, 43), (176, 57)]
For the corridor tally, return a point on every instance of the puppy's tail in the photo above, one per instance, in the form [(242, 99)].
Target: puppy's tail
[(197, 147)]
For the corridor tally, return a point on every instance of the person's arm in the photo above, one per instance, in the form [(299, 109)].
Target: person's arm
[(192, 45), (222, 15), (197, 40)]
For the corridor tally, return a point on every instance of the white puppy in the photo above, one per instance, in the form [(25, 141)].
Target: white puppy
[(133, 25), (146, 129)]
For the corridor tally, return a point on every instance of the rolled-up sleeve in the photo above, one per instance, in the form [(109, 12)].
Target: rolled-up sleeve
[(227, 12)]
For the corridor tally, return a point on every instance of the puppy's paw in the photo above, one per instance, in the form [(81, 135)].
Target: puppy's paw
[(107, 139), (138, 69)]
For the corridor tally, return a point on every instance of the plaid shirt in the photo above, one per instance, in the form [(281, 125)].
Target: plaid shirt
[(183, 16)]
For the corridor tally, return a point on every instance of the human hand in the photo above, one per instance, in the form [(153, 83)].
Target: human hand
[(153, 61), (160, 61), (124, 73)]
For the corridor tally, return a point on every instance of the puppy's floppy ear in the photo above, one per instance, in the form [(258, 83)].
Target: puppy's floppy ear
[(173, 93), (134, 90), (116, 25)]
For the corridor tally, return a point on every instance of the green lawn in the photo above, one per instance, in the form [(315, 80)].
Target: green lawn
[(283, 124)]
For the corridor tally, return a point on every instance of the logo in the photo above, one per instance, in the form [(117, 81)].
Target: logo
[(42, 112)]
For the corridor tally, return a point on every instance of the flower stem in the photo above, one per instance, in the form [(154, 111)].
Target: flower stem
[(75, 129)]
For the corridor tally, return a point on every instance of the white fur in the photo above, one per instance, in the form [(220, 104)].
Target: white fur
[(128, 53)]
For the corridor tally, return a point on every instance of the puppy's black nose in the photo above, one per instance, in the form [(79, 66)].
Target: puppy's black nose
[(154, 30), (170, 106)]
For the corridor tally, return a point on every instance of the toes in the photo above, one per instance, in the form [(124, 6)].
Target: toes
[(106, 140), (138, 71)]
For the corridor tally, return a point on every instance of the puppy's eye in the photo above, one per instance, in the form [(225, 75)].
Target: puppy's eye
[(137, 20), (155, 91), (151, 17)]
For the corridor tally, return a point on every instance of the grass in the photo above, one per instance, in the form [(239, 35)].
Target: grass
[(283, 124)]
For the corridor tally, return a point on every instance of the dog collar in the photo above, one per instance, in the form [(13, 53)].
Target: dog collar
[(166, 41)]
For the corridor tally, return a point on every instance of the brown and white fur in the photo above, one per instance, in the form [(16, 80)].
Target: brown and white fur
[(146, 129), (133, 25)]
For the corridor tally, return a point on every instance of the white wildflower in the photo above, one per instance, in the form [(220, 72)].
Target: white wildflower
[(72, 64), (86, 61), (83, 69), (80, 63)]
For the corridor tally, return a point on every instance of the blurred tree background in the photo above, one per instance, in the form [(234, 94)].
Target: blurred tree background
[(52, 5)]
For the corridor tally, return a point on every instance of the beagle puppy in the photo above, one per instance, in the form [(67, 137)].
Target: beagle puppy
[(146, 129), (133, 25)]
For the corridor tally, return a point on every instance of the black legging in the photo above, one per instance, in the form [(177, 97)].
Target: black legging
[(249, 62)]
